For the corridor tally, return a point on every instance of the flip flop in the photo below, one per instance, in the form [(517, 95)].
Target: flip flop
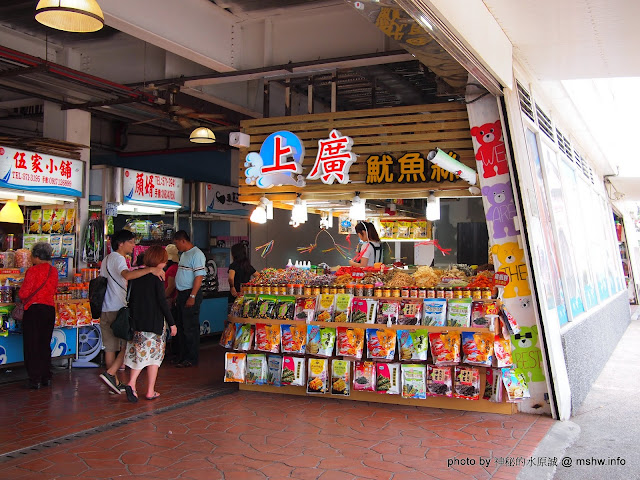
[(155, 395), (131, 394)]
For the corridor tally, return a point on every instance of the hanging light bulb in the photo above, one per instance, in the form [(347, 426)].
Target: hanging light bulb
[(82, 16), (299, 213), (202, 135), (433, 207), (11, 213), (358, 211), (262, 212)]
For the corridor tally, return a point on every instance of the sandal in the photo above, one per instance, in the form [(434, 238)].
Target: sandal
[(132, 395), (153, 397)]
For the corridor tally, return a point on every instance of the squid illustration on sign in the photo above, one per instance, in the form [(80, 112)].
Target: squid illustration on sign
[(278, 163), (334, 159)]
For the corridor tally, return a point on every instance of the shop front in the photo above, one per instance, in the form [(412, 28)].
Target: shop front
[(46, 189), (426, 324)]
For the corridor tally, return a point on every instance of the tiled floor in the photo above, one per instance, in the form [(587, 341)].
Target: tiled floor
[(246, 435)]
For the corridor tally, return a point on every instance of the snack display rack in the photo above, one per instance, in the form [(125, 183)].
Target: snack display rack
[(480, 405)]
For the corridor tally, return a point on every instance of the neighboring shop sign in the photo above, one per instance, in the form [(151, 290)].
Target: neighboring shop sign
[(222, 197), (151, 189), (282, 153), (409, 168), (24, 170)]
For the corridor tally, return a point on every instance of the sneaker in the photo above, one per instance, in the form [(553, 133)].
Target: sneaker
[(110, 381), (121, 387)]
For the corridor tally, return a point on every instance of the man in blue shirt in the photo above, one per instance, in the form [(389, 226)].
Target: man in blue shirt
[(191, 271)]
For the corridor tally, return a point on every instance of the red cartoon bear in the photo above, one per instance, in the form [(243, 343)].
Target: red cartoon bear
[(491, 152)]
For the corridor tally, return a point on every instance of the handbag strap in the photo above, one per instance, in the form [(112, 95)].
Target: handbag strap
[(24, 302), (128, 293)]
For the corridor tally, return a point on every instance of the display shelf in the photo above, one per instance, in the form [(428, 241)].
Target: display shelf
[(433, 402), (356, 325)]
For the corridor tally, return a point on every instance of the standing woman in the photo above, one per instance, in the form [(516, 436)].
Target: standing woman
[(370, 248), (149, 318), (37, 293), (240, 270)]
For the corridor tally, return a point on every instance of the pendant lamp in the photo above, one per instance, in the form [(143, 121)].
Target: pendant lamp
[(11, 213), (81, 16), (202, 135)]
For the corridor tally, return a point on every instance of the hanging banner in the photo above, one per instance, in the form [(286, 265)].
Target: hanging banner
[(151, 189), (223, 198), (40, 172)]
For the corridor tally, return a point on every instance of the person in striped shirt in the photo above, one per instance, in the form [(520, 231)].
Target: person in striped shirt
[(191, 271)]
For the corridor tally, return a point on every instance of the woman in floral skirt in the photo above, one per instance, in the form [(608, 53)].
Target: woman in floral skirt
[(150, 315)]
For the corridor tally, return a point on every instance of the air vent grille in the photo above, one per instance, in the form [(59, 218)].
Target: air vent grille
[(526, 105)]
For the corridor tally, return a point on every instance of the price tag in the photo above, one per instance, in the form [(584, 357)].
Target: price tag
[(500, 279), (357, 273)]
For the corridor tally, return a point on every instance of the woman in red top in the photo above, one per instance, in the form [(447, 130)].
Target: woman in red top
[(38, 295)]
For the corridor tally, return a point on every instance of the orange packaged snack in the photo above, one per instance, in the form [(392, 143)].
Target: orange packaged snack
[(350, 342), (67, 314), (83, 314), (445, 347)]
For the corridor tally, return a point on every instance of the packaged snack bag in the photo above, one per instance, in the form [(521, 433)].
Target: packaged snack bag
[(228, 336), (70, 220), (388, 312), (317, 375), (68, 246), (414, 383), (410, 312), (445, 347), (47, 218), (83, 314), (285, 307), (405, 344), (267, 338), (325, 308), (388, 378), (439, 381), (56, 244), (266, 306), (466, 383), (364, 376), (274, 370), (28, 241), (256, 369), (363, 310), (420, 340), (57, 221), (305, 309), (343, 307), (350, 342), (313, 339), (244, 337), (493, 385), (236, 307), (235, 365), (509, 321), (67, 314), (381, 343), (340, 377), (459, 312), (515, 385), (477, 348), (249, 306), (35, 221), (479, 312), (502, 351), (435, 312), (327, 341), (293, 371), (293, 338)]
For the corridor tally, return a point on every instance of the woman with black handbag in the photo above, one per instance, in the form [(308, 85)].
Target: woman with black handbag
[(37, 293), (150, 316)]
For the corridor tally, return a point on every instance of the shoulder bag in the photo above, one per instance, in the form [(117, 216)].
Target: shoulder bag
[(121, 326), (18, 312)]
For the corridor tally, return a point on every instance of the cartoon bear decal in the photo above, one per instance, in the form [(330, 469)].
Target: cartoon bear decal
[(502, 209), (492, 152), (511, 261), (526, 356)]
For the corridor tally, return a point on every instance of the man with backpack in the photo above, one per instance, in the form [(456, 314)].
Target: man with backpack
[(114, 269)]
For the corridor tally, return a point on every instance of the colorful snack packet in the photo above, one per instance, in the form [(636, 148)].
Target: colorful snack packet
[(293, 338), (305, 309), (502, 351), (363, 310), (420, 341), (388, 312), (236, 307), (466, 383), (317, 375), (388, 379), (477, 348), (274, 370), (479, 312), (256, 369), (235, 365), (445, 347), (267, 338), (364, 376), (381, 343), (405, 344), (325, 308), (340, 377), (439, 381), (515, 384), (435, 312), (327, 341), (459, 312), (350, 342), (414, 384), (293, 371), (343, 307), (410, 312), (285, 308), (244, 337)]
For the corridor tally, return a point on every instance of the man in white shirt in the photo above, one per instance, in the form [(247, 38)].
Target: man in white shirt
[(114, 269), (191, 271)]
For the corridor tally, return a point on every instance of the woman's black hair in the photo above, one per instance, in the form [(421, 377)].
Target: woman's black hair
[(239, 254), (372, 233)]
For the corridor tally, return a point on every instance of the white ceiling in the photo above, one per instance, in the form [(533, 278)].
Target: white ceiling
[(582, 46)]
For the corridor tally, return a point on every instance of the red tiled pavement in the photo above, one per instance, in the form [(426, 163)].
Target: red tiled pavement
[(248, 435)]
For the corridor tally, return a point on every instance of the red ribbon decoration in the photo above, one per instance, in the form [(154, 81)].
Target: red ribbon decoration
[(445, 251)]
